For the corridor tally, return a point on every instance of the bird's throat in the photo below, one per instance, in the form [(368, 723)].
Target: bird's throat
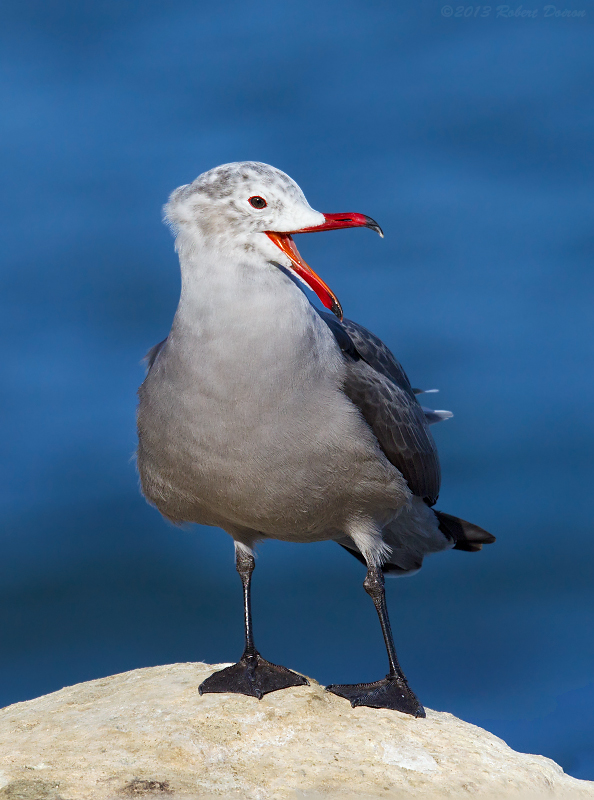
[(284, 241)]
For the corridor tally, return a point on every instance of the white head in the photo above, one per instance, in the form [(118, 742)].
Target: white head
[(250, 208)]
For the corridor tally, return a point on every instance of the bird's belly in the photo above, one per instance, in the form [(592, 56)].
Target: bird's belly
[(296, 471)]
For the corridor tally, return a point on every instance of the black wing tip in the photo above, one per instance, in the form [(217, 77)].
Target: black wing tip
[(466, 535)]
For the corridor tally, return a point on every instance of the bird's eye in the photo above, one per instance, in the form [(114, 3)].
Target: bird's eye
[(257, 202)]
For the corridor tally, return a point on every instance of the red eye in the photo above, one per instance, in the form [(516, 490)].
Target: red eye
[(257, 202)]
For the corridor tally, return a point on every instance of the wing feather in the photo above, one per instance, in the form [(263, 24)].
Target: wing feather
[(379, 387)]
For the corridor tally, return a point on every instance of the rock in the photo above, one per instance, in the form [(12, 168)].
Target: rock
[(149, 734)]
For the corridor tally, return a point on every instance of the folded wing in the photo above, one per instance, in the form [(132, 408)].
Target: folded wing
[(379, 387)]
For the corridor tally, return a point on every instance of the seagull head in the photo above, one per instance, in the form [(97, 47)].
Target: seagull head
[(255, 208)]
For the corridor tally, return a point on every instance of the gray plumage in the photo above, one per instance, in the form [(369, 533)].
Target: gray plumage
[(255, 417), (269, 419), (379, 387)]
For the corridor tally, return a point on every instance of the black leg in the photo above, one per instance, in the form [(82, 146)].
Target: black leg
[(252, 675), (393, 690)]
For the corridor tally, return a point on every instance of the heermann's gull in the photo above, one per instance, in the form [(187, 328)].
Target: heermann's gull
[(264, 417)]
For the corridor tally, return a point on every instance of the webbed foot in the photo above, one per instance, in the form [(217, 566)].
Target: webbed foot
[(252, 676), (390, 692)]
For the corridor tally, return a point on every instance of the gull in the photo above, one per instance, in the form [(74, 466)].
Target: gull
[(270, 419)]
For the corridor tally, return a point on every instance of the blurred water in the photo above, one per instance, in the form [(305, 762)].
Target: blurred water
[(470, 141)]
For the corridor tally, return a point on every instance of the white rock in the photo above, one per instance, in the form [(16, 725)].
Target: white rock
[(149, 734)]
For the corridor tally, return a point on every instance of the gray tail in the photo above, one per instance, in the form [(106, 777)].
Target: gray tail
[(467, 536)]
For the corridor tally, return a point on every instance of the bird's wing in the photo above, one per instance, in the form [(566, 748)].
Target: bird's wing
[(379, 387)]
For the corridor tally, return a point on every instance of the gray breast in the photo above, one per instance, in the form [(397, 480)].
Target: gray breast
[(248, 427)]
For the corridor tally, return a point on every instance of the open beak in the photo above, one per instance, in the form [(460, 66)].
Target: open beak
[(284, 241)]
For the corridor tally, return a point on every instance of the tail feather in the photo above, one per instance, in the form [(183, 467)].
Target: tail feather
[(466, 535), (412, 536)]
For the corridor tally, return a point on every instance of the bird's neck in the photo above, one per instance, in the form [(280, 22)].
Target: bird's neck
[(241, 299), (244, 330)]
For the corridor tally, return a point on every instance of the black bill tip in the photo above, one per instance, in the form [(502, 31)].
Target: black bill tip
[(337, 309), (371, 223)]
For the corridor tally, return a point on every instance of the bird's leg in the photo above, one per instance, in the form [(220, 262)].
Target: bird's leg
[(393, 690), (252, 675), (245, 564)]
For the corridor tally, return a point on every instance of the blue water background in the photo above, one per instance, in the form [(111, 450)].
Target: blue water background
[(470, 141)]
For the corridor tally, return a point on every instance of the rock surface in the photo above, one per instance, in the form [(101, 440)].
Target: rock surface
[(149, 734)]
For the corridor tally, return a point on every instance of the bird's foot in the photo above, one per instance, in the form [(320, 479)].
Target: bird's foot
[(253, 676), (391, 692)]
